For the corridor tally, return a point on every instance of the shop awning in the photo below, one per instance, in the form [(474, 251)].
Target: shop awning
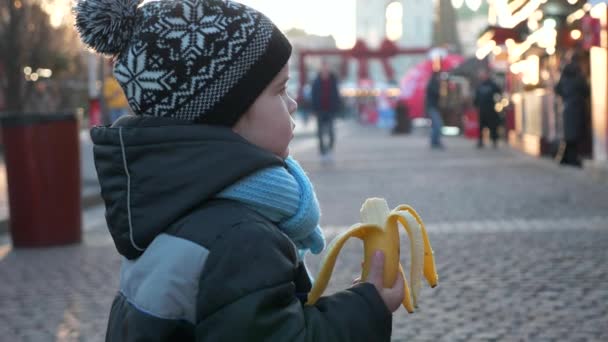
[(501, 34)]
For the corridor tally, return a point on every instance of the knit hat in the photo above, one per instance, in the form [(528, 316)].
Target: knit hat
[(203, 61)]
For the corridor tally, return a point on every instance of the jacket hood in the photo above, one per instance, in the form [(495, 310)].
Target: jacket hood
[(154, 171)]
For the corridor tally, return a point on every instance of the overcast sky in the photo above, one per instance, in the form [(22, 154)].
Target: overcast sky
[(322, 17)]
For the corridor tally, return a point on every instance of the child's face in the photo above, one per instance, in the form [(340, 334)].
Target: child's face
[(268, 123)]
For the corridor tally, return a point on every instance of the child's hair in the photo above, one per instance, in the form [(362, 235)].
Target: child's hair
[(203, 61)]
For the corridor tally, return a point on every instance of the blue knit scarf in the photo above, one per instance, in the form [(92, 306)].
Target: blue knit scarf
[(286, 197)]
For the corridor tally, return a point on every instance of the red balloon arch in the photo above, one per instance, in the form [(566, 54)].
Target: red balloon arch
[(362, 53)]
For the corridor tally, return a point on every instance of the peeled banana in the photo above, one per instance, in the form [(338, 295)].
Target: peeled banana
[(379, 230)]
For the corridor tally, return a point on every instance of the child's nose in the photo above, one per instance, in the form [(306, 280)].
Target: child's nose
[(293, 106)]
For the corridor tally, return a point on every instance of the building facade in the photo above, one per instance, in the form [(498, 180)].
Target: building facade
[(415, 19)]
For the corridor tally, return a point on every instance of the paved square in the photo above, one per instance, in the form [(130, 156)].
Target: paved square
[(521, 246)]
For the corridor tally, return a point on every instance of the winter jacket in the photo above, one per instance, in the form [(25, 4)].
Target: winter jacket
[(485, 100), (574, 90), (197, 268), (432, 93), (335, 102)]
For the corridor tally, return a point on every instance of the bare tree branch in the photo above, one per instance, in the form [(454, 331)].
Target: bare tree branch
[(28, 39)]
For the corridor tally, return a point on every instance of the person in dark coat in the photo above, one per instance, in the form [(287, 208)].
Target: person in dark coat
[(326, 103), (486, 95), (211, 215), (574, 91), (432, 95)]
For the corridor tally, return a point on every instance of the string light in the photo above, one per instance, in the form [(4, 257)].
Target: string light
[(394, 21), (509, 15)]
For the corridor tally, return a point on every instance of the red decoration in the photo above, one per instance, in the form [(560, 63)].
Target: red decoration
[(363, 72), (343, 67), (471, 123), (360, 50), (388, 49), (591, 29), (2, 100), (362, 53), (94, 113)]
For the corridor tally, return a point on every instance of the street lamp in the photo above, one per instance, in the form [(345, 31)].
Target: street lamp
[(394, 21)]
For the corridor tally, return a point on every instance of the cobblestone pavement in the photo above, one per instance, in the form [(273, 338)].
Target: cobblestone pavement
[(521, 246)]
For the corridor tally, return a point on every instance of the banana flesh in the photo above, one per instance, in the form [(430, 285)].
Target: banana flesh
[(379, 230)]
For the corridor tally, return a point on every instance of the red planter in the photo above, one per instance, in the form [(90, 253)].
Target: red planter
[(471, 123), (42, 157)]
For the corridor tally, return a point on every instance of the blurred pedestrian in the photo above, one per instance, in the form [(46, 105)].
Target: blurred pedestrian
[(487, 94), (211, 215), (304, 106), (43, 99), (432, 108), (403, 122), (116, 101), (326, 103), (574, 91)]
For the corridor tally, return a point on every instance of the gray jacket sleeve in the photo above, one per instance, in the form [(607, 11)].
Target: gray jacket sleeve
[(247, 293)]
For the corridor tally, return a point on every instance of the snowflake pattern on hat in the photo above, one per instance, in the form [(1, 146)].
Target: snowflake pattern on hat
[(188, 59), (183, 48)]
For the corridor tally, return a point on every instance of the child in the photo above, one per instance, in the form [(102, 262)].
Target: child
[(202, 200)]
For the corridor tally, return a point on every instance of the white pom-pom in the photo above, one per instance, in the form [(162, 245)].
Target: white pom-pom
[(106, 25)]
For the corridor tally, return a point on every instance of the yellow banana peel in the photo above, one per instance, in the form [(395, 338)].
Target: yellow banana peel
[(379, 230)]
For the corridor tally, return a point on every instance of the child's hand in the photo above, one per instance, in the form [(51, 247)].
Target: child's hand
[(392, 296)]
